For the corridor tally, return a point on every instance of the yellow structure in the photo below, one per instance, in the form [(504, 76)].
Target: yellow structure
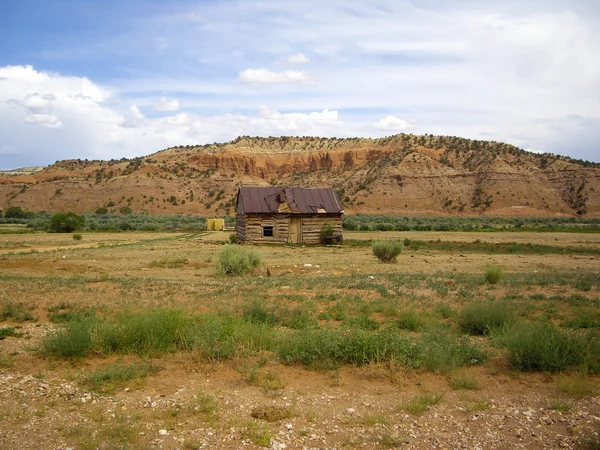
[(215, 224)]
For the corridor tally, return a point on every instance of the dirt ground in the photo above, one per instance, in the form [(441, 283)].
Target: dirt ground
[(186, 402)]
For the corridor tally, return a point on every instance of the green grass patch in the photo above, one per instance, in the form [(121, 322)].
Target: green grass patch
[(409, 320), (535, 346), (169, 263), (331, 348), (17, 312), (464, 381), (420, 403), (9, 332), (441, 350), (484, 317), (109, 378)]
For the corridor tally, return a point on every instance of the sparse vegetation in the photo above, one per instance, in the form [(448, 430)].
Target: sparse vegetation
[(420, 403), (127, 305)]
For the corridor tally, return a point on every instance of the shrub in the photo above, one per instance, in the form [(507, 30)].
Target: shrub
[(233, 260), (77, 236), (101, 210), (233, 238), (534, 346), (387, 251), (125, 210), (15, 212), (74, 341), (65, 222), (482, 318), (493, 273), (328, 236)]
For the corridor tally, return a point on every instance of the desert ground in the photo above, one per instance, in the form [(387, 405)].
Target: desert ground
[(451, 388)]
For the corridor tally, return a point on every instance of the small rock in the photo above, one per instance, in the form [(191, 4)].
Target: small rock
[(289, 426), (350, 410), (528, 413), (307, 266), (163, 432), (371, 277)]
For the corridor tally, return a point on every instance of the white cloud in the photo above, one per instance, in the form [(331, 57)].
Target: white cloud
[(45, 120), (263, 76), (165, 104), (391, 123), (298, 58), (133, 118)]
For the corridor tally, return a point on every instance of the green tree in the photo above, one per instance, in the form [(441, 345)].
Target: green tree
[(15, 212), (101, 210), (65, 222)]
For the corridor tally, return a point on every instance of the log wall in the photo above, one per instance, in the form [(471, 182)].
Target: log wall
[(254, 228), (240, 227), (312, 226)]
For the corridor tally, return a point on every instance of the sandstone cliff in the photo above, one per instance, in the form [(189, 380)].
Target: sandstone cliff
[(398, 175)]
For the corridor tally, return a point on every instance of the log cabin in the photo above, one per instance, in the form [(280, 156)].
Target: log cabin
[(287, 215)]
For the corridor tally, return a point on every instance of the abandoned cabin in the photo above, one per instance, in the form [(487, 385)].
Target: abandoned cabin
[(292, 215)]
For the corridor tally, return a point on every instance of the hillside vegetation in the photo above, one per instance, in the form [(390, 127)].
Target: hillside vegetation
[(398, 175)]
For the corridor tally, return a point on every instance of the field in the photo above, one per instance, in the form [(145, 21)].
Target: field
[(132, 340)]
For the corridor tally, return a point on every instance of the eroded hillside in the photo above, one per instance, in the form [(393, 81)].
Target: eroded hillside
[(398, 175)]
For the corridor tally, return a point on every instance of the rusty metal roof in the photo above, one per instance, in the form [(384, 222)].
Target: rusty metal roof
[(252, 200)]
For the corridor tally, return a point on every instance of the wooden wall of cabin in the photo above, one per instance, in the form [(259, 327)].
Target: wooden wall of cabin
[(240, 227), (250, 228), (312, 226), (255, 224)]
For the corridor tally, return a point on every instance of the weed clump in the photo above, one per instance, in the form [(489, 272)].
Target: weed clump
[(546, 348), (421, 402), (493, 273), (387, 251), (409, 320), (482, 318), (440, 350), (327, 348), (77, 236), (234, 260), (108, 378)]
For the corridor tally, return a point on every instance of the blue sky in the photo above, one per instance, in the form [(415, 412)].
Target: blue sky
[(103, 79)]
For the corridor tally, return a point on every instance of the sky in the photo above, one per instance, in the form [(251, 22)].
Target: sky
[(104, 79)]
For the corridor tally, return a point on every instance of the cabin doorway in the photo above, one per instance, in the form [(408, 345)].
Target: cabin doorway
[(295, 230)]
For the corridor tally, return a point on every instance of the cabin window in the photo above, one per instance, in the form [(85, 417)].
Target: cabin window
[(268, 230)]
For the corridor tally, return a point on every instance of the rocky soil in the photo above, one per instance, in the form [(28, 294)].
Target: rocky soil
[(190, 404)]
